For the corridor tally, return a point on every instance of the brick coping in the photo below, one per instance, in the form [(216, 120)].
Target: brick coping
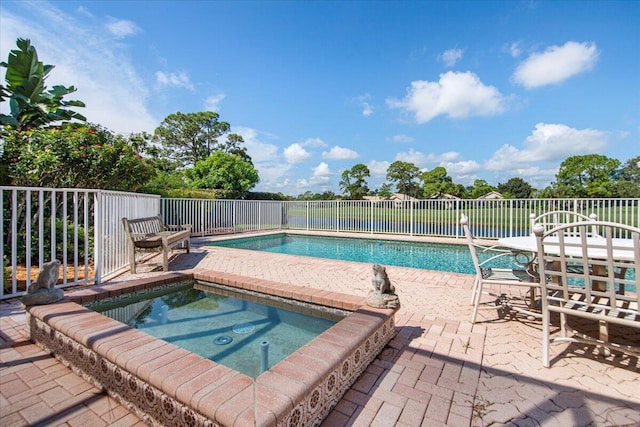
[(164, 384)]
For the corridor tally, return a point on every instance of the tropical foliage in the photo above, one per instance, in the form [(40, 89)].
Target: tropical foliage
[(31, 104), (72, 156)]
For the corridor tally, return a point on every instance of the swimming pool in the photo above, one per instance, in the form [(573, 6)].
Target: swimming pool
[(227, 327), (431, 256)]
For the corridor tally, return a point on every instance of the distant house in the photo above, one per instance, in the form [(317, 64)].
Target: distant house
[(445, 196), (448, 199), (402, 197), (493, 195), (397, 198), (374, 199)]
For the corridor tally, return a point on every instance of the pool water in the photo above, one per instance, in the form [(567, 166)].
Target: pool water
[(432, 256), (227, 329)]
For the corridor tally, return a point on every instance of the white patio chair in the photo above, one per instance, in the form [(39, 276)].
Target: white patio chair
[(604, 290), (501, 279), (553, 219)]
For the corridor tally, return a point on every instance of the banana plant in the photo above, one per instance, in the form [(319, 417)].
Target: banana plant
[(31, 104)]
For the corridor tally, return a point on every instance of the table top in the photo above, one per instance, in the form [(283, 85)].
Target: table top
[(622, 249)]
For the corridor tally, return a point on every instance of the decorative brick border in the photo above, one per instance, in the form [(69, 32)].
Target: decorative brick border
[(301, 390)]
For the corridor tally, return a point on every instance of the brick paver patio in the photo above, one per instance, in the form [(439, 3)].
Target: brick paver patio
[(437, 371)]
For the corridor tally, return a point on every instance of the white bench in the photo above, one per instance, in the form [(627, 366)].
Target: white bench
[(145, 234)]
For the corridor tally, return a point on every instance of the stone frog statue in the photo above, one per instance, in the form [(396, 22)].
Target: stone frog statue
[(383, 294), (43, 290), (380, 280)]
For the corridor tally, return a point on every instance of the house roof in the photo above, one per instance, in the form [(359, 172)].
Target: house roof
[(492, 195)]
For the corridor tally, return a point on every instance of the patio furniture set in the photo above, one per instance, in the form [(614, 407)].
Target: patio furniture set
[(572, 265)]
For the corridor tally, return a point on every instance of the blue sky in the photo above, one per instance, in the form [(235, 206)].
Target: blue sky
[(489, 90)]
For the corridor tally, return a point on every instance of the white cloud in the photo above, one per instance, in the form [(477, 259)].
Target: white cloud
[(378, 168), (556, 64), (514, 49), (313, 142), (449, 156), (363, 102), (402, 138), (421, 160), (272, 176), (179, 79), (464, 167), (451, 56), (296, 154), (84, 11), (456, 95), (302, 183), (272, 170), (548, 143), (321, 174), (412, 156), (212, 103), (121, 28), (84, 58), (260, 152), (339, 153)]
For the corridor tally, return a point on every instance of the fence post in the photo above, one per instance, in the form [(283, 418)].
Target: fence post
[(97, 236), (510, 234), (411, 217), (457, 218), (371, 216)]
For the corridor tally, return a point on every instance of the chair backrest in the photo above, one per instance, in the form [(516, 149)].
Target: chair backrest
[(553, 219), (598, 274), (142, 226), (464, 221)]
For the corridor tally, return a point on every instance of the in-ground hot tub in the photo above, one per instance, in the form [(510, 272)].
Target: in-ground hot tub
[(167, 385)]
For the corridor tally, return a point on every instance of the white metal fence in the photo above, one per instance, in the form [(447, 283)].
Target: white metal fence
[(83, 228), (490, 219), (209, 217)]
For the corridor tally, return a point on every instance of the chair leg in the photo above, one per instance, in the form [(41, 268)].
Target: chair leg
[(474, 290), (476, 295), (563, 325), (603, 335), (545, 339)]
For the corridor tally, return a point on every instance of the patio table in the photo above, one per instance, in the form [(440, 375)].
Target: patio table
[(622, 250)]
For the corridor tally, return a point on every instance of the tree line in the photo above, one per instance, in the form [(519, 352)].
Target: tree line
[(586, 176)]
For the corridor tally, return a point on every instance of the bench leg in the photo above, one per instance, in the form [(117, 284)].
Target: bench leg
[(165, 259), (132, 261), (188, 245)]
